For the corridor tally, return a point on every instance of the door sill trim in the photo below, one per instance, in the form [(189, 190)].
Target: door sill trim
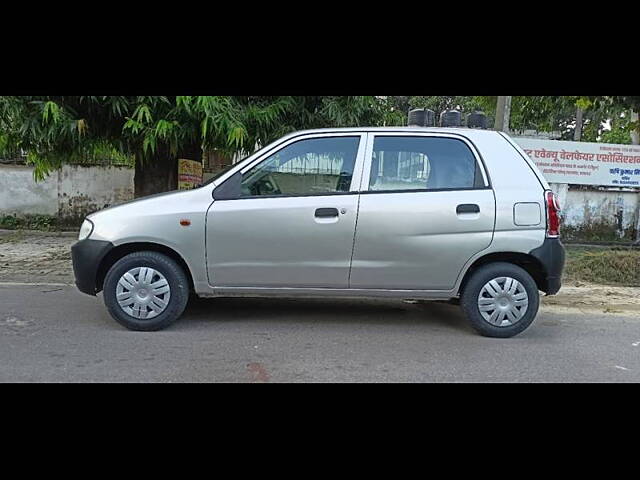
[(325, 292)]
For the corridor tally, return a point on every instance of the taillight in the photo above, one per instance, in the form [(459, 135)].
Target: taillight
[(553, 214)]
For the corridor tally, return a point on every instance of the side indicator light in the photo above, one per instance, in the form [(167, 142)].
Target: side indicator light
[(185, 222)]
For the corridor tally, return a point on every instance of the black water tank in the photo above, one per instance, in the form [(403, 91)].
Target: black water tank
[(451, 118), (422, 117), (477, 119)]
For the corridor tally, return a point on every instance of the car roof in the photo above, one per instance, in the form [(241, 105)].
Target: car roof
[(467, 132)]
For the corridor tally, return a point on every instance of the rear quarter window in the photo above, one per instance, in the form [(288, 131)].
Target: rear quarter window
[(422, 163)]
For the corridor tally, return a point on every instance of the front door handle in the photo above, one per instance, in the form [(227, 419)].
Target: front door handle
[(326, 212), (467, 208)]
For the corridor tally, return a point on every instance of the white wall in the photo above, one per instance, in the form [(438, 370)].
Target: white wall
[(581, 207), (72, 192), (83, 190), (584, 206), (20, 194), (75, 191)]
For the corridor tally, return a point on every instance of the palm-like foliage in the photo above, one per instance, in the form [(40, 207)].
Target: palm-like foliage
[(147, 129), (55, 130)]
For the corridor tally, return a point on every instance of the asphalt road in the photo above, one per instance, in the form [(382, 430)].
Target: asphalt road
[(56, 334)]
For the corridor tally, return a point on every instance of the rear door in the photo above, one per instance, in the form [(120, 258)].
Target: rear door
[(426, 207)]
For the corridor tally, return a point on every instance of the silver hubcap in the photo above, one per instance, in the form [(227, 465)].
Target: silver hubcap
[(503, 301), (143, 292)]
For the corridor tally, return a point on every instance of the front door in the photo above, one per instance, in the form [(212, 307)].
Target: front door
[(426, 209), (293, 221)]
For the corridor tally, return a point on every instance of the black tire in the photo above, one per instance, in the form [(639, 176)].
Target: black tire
[(175, 276), (469, 299)]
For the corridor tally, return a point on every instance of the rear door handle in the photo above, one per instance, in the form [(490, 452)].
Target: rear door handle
[(467, 208), (326, 212)]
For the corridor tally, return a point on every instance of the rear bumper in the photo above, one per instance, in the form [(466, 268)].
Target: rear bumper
[(86, 256), (551, 255)]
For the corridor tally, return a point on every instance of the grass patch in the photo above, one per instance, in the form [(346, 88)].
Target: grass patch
[(597, 231), (45, 223), (610, 266)]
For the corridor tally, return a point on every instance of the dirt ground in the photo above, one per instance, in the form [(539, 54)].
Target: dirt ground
[(593, 298), (36, 257), (45, 257)]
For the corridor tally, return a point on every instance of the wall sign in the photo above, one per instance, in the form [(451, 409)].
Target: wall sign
[(584, 163), (189, 174)]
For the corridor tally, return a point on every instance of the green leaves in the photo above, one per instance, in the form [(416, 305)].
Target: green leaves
[(164, 128), (237, 137), (184, 102), (142, 114), (149, 144), (133, 125), (51, 111), (65, 129), (584, 103)]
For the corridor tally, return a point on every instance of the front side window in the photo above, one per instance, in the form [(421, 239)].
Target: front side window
[(307, 167), (422, 163)]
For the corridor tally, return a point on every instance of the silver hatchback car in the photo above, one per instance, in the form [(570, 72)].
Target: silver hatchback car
[(406, 212)]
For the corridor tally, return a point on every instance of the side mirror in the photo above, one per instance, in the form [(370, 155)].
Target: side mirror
[(230, 189)]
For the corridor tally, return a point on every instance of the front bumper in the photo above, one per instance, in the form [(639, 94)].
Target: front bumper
[(551, 255), (87, 255)]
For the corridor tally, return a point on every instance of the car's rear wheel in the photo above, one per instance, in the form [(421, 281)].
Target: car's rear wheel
[(146, 291), (500, 300)]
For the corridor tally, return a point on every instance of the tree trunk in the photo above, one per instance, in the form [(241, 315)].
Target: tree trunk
[(160, 172), (577, 133), (503, 113), (635, 134), (191, 151), (156, 174)]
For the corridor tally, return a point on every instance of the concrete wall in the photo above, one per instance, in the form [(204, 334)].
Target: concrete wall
[(586, 206), (21, 195), (580, 207), (76, 191), (70, 193), (84, 190)]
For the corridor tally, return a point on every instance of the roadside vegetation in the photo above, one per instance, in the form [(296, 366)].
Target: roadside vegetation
[(616, 266), (596, 231), (153, 132), (44, 223)]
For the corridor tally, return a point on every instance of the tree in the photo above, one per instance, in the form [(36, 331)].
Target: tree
[(441, 103), (163, 129), (629, 103), (157, 130), (624, 108), (154, 130), (466, 104), (544, 113)]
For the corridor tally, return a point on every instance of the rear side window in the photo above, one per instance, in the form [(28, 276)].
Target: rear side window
[(422, 163)]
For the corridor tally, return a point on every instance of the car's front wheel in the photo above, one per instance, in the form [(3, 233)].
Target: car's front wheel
[(500, 300), (146, 291)]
